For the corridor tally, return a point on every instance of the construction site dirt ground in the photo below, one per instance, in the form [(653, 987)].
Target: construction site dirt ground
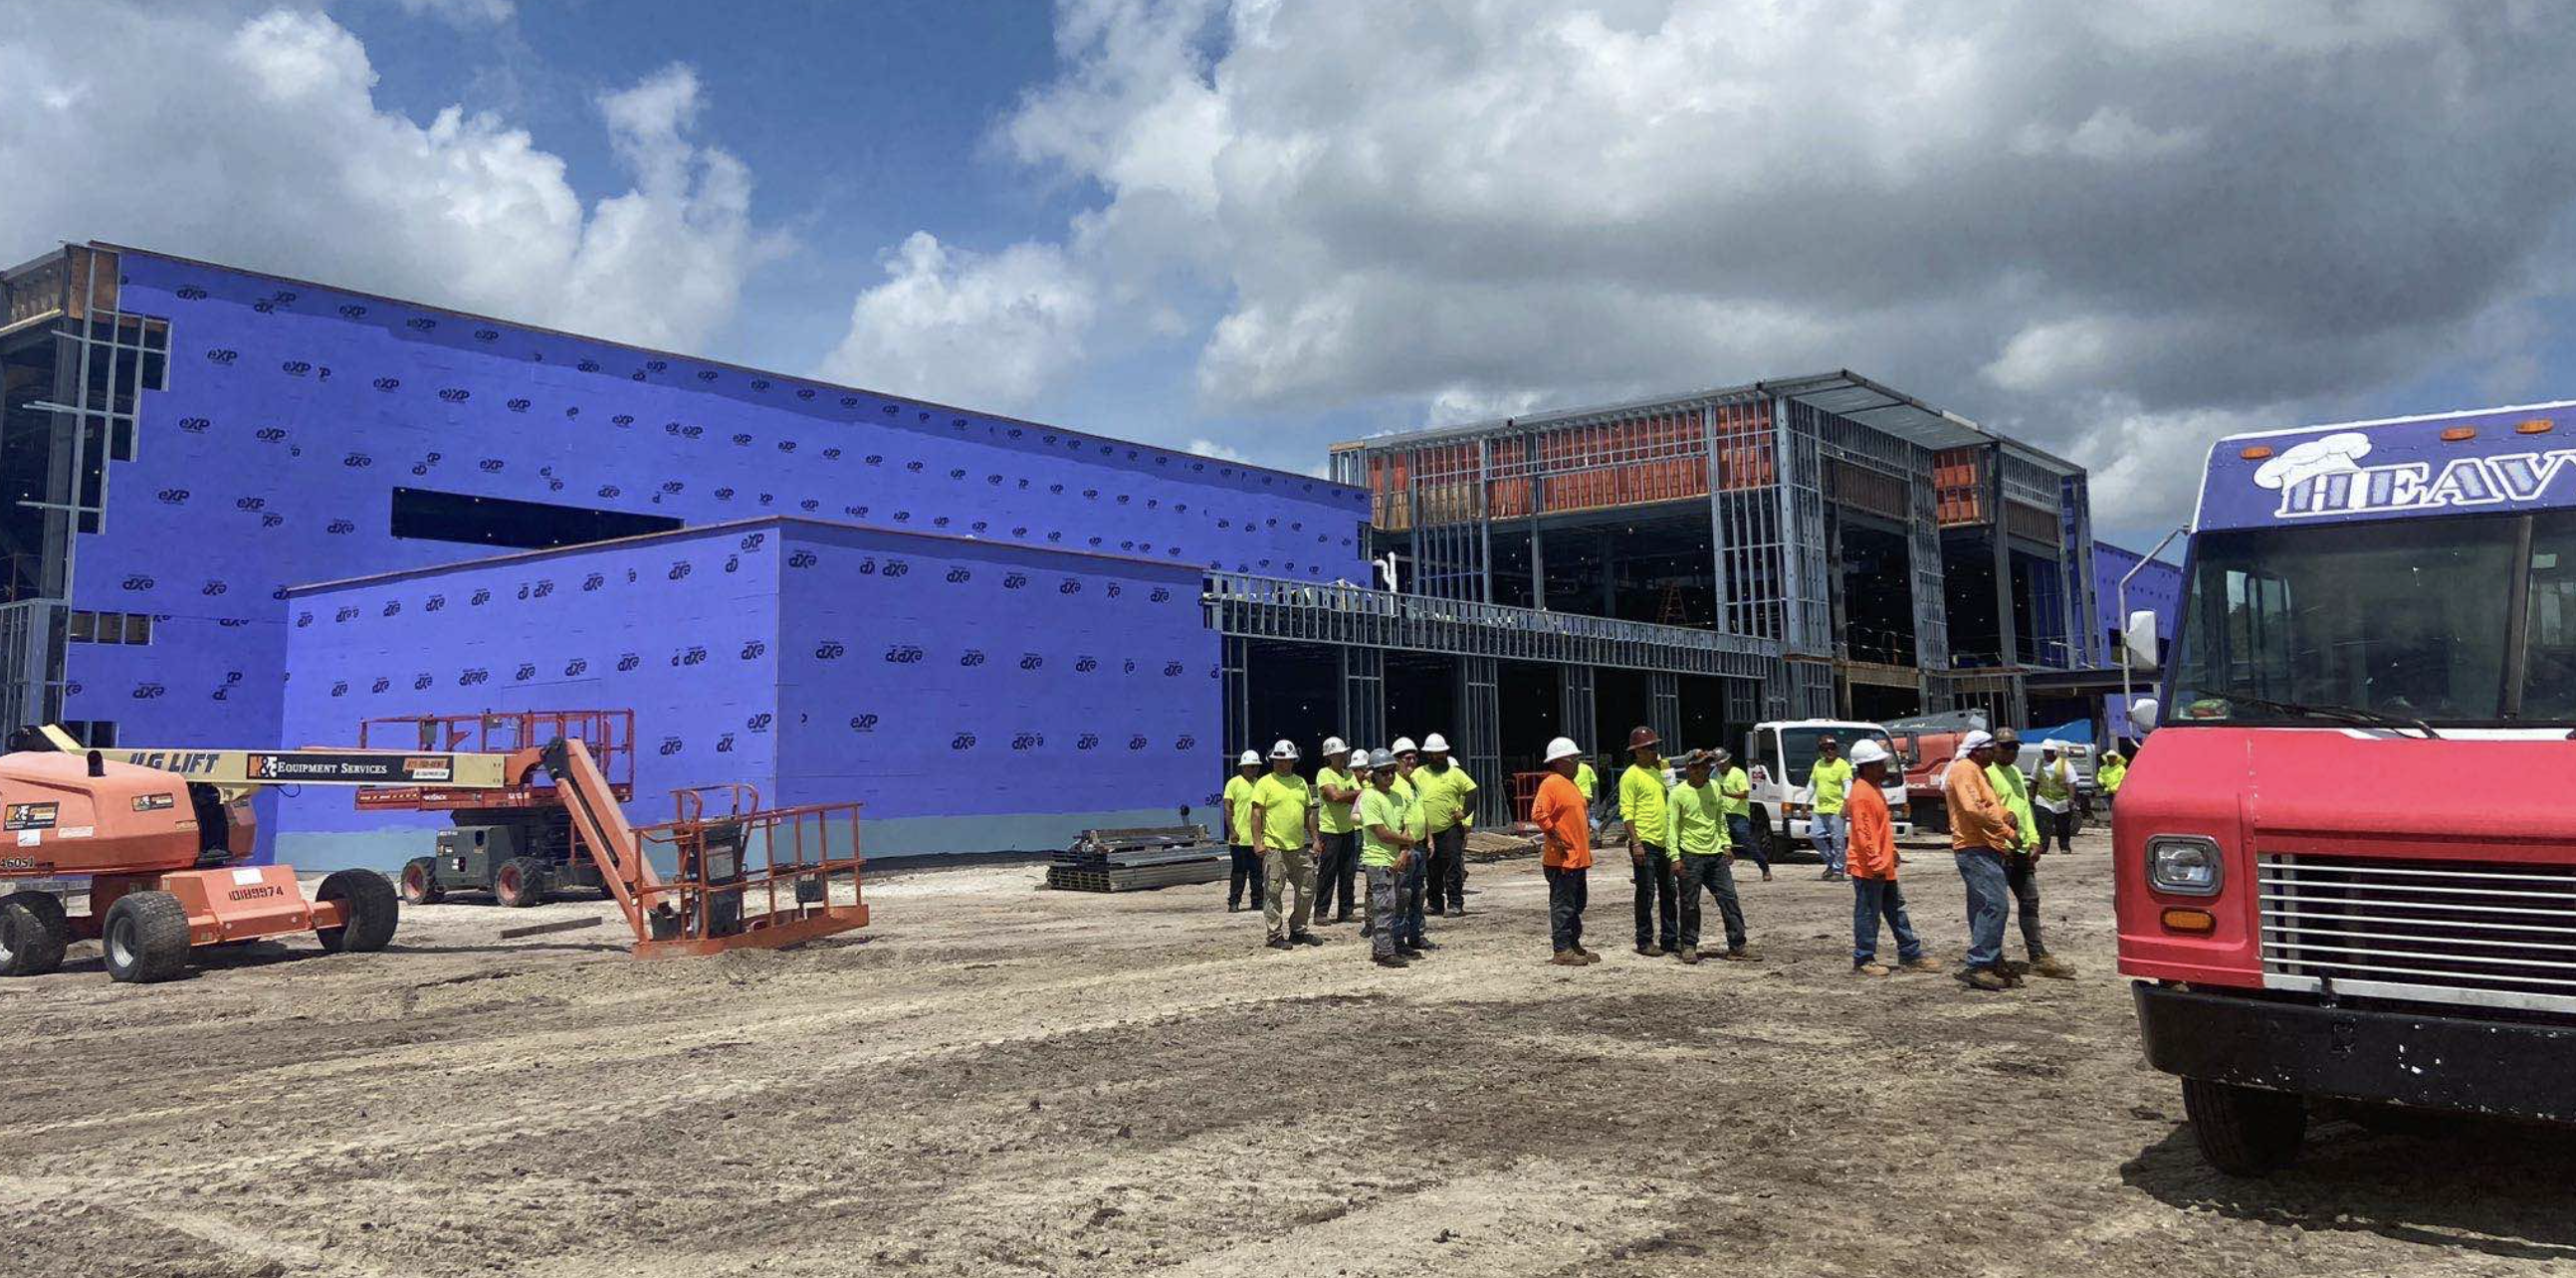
[(997, 1079)]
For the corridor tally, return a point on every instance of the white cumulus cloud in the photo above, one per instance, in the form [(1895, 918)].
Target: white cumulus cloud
[(967, 328), (258, 142), (2104, 226)]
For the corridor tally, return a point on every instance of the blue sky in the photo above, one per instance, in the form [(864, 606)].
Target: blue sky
[(1254, 227), (863, 122)]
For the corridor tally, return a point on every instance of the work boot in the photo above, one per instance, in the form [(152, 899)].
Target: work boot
[(1688, 955), (1766, 874), (1458, 909), (1650, 950), (1984, 978), (1921, 963), (1741, 954), (1426, 943), (1280, 943), (1390, 960), (1304, 938), (1567, 958), (1870, 969), (1434, 911), (1827, 876), (1588, 956), (2048, 965)]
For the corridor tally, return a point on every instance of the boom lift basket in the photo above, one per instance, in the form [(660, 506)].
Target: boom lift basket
[(742, 877)]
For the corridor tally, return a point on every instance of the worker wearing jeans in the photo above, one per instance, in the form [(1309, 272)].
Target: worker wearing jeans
[(1873, 863), (1695, 817), (1737, 789), (1982, 833), (1448, 796), (1641, 805), (1565, 852), (1336, 790), (1238, 833), (1828, 784)]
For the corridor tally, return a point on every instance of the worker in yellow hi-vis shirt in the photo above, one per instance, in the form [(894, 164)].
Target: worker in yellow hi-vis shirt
[(1641, 805), (1283, 832), (1448, 797), (1238, 832), (1337, 787)]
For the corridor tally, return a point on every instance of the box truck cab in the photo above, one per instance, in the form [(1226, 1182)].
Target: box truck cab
[(1777, 758), (2346, 857)]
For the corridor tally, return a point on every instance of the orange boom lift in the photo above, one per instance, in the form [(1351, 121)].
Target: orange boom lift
[(156, 833)]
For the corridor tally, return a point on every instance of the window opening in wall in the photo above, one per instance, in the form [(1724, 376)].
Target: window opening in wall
[(110, 627), (430, 515)]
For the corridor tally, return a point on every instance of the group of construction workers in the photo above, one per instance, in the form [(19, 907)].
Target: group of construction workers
[(1396, 820)]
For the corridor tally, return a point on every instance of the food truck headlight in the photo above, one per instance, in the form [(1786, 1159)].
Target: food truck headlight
[(2185, 864)]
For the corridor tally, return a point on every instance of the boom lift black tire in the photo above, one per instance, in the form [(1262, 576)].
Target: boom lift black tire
[(520, 882), (372, 908), (31, 938), (420, 882), (2245, 1131), (46, 904), (145, 935)]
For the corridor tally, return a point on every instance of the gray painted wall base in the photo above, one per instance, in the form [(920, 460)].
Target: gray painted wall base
[(387, 847)]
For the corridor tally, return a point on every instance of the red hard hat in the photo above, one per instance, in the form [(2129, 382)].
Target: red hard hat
[(1642, 737)]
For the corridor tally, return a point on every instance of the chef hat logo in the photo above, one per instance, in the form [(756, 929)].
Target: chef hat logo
[(2332, 454)]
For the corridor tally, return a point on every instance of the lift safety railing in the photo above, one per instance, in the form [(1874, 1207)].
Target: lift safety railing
[(520, 734), (741, 876)]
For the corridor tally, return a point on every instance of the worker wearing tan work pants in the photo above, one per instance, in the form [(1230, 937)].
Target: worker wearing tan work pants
[(1283, 869)]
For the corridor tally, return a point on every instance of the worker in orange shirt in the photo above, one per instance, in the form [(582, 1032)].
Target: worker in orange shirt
[(1871, 862), (1566, 859), (1982, 833)]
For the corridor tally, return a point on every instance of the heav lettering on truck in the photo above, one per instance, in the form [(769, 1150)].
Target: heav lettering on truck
[(2346, 856)]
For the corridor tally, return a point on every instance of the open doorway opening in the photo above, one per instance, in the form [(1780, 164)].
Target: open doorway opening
[(1289, 693), (1421, 695)]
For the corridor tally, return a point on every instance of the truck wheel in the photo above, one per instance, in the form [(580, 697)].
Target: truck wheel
[(31, 937), (146, 937), (371, 908), (2245, 1131), (520, 882), (420, 882), (1775, 846)]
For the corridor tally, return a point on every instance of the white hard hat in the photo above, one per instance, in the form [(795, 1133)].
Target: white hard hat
[(1435, 744), (1975, 741), (1562, 748), (1403, 745), (1334, 746), (1283, 749), (1250, 759), (1866, 751), (2053, 744)]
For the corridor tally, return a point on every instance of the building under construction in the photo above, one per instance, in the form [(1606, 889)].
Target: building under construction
[(1854, 551), (249, 510)]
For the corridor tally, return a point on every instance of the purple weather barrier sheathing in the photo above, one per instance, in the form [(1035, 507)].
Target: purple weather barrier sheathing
[(294, 412), (973, 696)]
